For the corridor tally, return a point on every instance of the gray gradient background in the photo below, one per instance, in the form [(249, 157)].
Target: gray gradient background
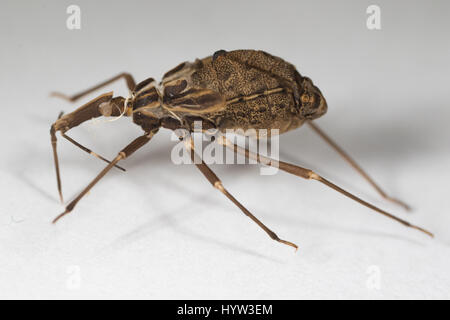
[(161, 231)]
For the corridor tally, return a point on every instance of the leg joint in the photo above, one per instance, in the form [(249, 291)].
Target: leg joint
[(313, 175), (218, 185)]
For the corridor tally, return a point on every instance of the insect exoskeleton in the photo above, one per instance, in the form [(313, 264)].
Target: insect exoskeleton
[(238, 90), (243, 89)]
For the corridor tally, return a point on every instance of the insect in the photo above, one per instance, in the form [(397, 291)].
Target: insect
[(228, 90)]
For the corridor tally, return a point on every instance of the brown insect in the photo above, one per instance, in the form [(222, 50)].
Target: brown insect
[(229, 90)]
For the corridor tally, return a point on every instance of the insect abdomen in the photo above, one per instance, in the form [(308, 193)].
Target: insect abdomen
[(259, 89)]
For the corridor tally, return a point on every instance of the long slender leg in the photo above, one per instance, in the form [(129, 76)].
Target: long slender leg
[(79, 145), (128, 78), (356, 166), (88, 150), (311, 175), (86, 112), (126, 152), (216, 183), (55, 158)]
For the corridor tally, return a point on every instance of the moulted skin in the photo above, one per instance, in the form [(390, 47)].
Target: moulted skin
[(242, 89)]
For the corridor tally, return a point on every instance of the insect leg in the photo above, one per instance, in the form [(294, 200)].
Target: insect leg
[(311, 175), (126, 152), (55, 159), (86, 112), (356, 166), (88, 150), (216, 183), (128, 78)]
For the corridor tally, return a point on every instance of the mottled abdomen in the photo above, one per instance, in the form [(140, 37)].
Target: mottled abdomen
[(261, 90), (266, 112), (244, 89)]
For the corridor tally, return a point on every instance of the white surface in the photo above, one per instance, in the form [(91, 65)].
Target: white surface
[(160, 230)]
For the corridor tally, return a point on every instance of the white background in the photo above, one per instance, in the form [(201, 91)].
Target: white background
[(160, 230)]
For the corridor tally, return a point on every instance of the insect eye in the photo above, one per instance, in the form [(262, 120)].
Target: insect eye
[(305, 98)]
